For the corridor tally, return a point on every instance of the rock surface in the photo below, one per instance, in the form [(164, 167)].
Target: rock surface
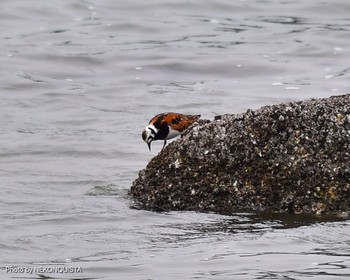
[(292, 157)]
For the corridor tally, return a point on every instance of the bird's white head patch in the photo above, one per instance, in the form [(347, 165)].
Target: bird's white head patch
[(148, 134)]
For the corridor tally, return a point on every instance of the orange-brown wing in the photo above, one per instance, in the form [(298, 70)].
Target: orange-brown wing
[(157, 119), (179, 121)]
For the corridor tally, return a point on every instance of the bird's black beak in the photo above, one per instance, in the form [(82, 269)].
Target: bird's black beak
[(149, 146)]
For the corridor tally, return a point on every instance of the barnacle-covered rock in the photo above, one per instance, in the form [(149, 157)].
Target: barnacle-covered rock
[(292, 157)]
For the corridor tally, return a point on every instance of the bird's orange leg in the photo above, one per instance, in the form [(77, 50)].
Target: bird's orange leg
[(163, 145)]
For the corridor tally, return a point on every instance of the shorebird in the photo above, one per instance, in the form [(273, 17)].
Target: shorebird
[(166, 126)]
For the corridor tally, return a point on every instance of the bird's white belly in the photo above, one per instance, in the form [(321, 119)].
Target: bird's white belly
[(172, 133)]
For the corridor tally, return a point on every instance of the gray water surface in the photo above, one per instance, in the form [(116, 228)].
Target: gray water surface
[(79, 81)]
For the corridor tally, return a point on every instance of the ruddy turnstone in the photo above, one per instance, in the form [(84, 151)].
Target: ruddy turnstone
[(166, 126)]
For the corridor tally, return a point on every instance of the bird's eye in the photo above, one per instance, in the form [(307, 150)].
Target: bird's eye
[(152, 130)]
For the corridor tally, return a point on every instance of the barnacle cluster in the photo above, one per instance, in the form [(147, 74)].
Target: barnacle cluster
[(292, 157)]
